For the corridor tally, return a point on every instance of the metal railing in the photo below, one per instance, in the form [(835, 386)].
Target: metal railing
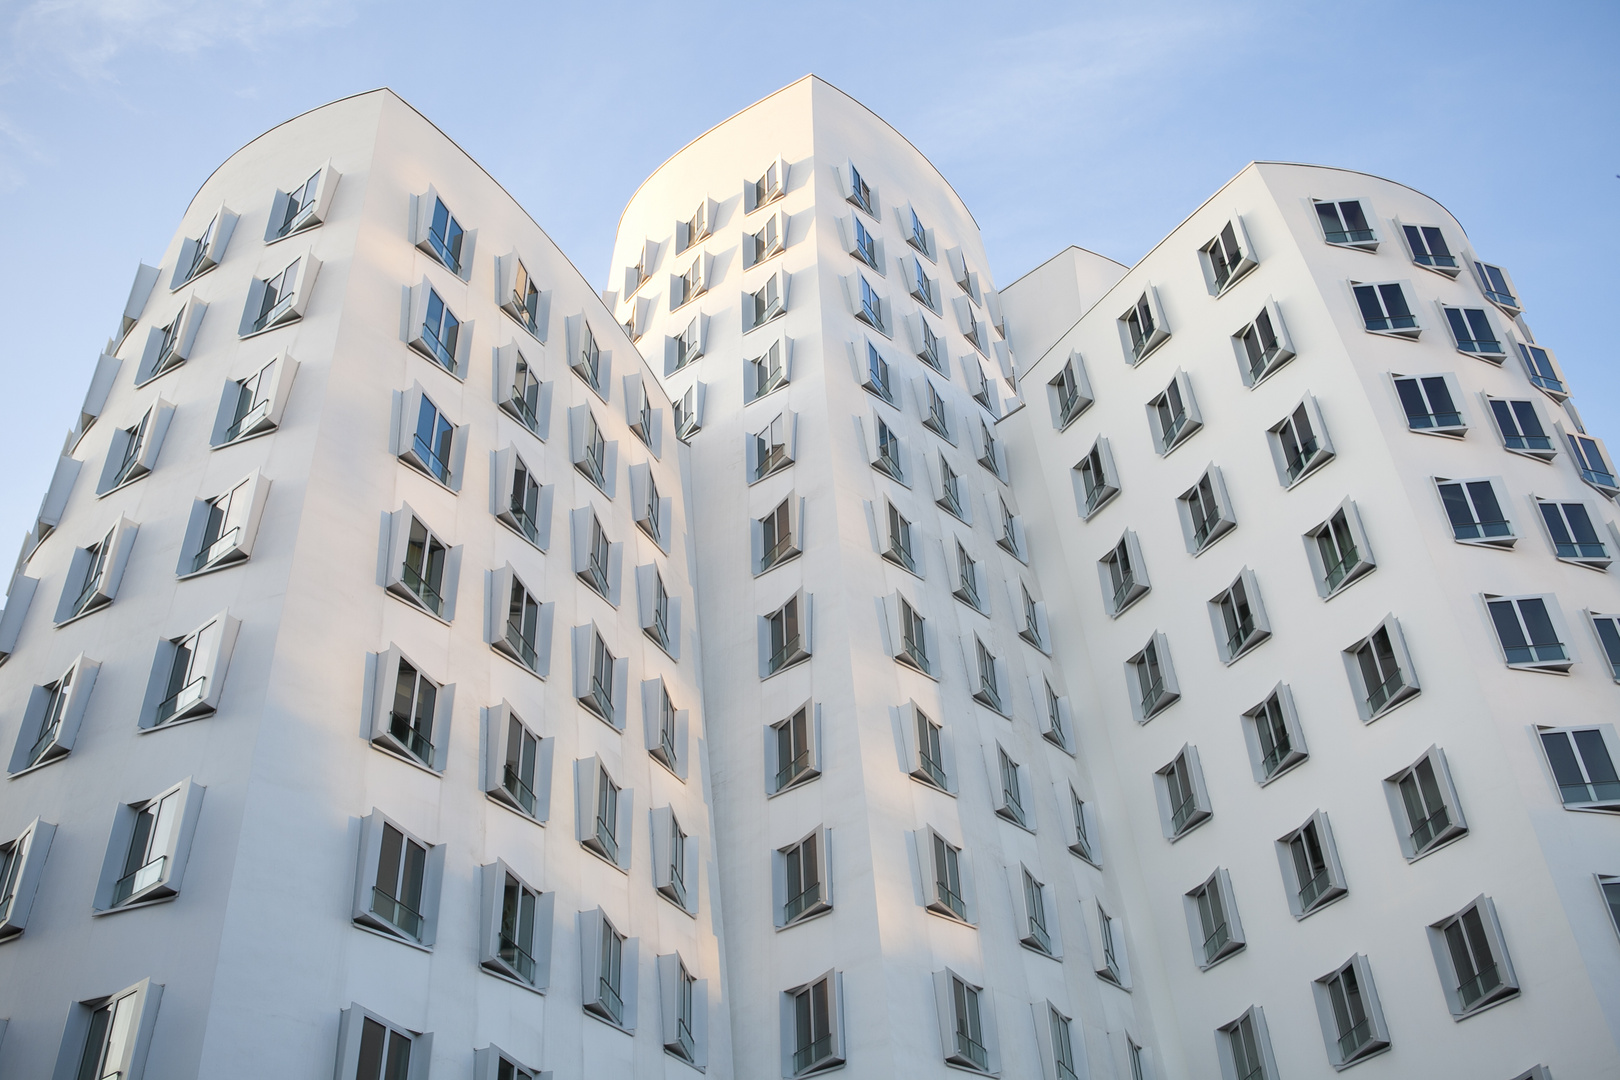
[(218, 548), (1039, 935), (781, 656), (396, 912), (608, 994), (1182, 812), (410, 737), (435, 464), (1204, 527), (902, 555), (777, 550), (1425, 831), (605, 837), (517, 958), (951, 899), (1300, 462), (521, 645), (1355, 1038), (1272, 761), (47, 736), (806, 1056), (522, 792), (1471, 991), (1236, 639), (526, 524), (601, 698), (1095, 493), (523, 410), (1216, 940), (1340, 570), (1122, 591), (184, 698), (1381, 694), (791, 771), (798, 905), (1151, 695), (1312, 890), (141, 879), (973, 1050), (247, 420)]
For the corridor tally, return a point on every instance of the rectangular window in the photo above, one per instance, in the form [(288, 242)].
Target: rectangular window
[(1010, 803), (768, 188), (684, 288), (988, 690), (1574, 537), (1310, 865), (768, 301), (1070, 392), (51, 724), (785, 636), (1429, 402), (95, 572), (1113, 969), (1097, 482), (521, 634), (813, 1026), (1123, 575), (932, 349), (1384, 309), (1542, 367), (401, 869), (930, 752), (803, 867), (1011, 539), (1472, 958), (913, 638), (769, 371), (299, 208), (1474, 508), (1143, 329), (888, 458), (877, 375), (437, 336), (1521, 429), (1429, 248), (919, 237), (432, 442), (859, 191), (794, 741), (968, 1047), (1607, 628), (1228, 257), (146, 856), (422, 573), (671, 866), (1271, 728), (936, 419), (1037, 936), (684, 1000), (1338, 550), (1473, 333), (411, 717), (1263, 345), (253, 406), (1206, 513), (1057, 717), (1583, 766), (519, 928), (1239, 617), (108, 1037), (272, 301), (1424, 802), (1346, 223), (1153, 683), (863, 246), (1497, 287), (870, 309), (518, 294), (221, 530), (1174, 415), (1082, 841), (22, 860), (444, 237), (1212, 919), (1183, 802), (1593, 463), (772, 449), (1299, 443), (949, 898), (518, 768), (767, 242), (202, 254), (522, 507), (1034, 628), (923, 286), (950, 491), (778, 537), (607, 997), (1380, 669), (1530, 632)]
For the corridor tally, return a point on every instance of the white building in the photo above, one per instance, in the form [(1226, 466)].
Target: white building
[(412, 765)]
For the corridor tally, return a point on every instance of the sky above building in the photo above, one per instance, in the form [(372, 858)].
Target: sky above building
[(1058, 123)]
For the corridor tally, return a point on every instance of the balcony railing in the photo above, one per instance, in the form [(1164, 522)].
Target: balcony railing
[(1302, 460), (436, 465), (972, 1049), (141, 879), (952, 900), (806, 1056), (1216, 940), (1471, 991), (781, 656), (247, 421), (611, 1001), (1183, 811), (1381, 694), (1341, 569), (396, 912), (798, 905), (413, 739), (517, 958), (521, 645), (935, 770), (1424, 833), (520, 791), (183, 699), (414, 581), (218, 548), (1312, 890), (794, 768), (1354, 1039), (1151, 695)]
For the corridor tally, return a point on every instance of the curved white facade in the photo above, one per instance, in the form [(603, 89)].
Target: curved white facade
[(356, 707)]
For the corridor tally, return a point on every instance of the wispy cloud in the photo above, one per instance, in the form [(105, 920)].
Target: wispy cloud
[(86, 37)]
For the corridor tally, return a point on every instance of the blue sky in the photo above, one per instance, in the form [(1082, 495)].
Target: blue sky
[(1059, 123)]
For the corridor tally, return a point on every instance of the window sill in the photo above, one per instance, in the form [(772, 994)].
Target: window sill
[(399, 755), (532, 331), (131, 481), (85, 614), (1284, 769), (1223, 957), (147, 728), (764, 322), (1138, 361), (604, 859), (409, 601), (1235, 278), (798, 782), (515, 662), (277, 325), (597, 390), (394, 936), (690, 913), (1301, 916), (504, 977), (1486, 1006), (1438, 845), (135, 904), (789, 666), (213, 568), (524, 814), (271, 430), (1400, 335), (422, 354), (142, 383), (809, 916), (421, 471), (38, 765), (1493, 359), (303, 227), (515, 531)]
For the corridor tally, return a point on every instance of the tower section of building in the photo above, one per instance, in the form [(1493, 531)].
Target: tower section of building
[(1333, 548), (910, 862), (349, 708)]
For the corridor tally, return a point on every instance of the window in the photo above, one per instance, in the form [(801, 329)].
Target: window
[(909, 635), (429, 441), (51, 720), (1082, 830), (519, 626), (660, 613), (594, 457), (304, 207), (1543, 369), (1310, 865), (1582, 762), (422, 568), (1206, 511), (516, 938), (280, 299), (520, 501), (684, 1011), (1054, 1035), (697, 228), (989, 678), (1037, 935), (777, 535), (1012, 797), (877, 380), (1607, 628), (1300, 443), (1152, 681), (1227, 258), (202, 254), (1272, 730), (602, 812), (435, 331), (146, 855), (769, 241), (1183, 801), (1380, 670), (767, 302), (684, 288), (767, 189), (773, 448), (1609, 886), (398, 888), (887, 453), (1472, 958), (1095, 481), (1531, 633), (1011, 539), (666, 727), (930, 346), (950, 492), (1474, 508), (1424, 804), (1035, 629), (517, 764), (857, 190), (650, 509), (1497, 287), (1245, 1048), (977, 333), (1069, 392), (440, 235), (1263, 345), (168, 346), (1213, 921), (55, 500), (188, 674), (965, 279), (1058, 723), (22, 860), (493, 1063), (813, 1026), (599, 676), (1143, 328), (412, 717), (785, 635), (1473, 333), (991, 455), (868, 306), (793, 748), (519, 296), (945, 866), (1430, 404), (1338, 550), (1429, 248), (675, 861), (95, 572), (687, 346), (926, 747), (1574, 537), (802, 887), (1592, 461), (253, 406), (936, 417), (922, 287), (587, 358), (967, 1023), (1345, 223), (519, 391), (916, 235), (133, 451), (1239, 617), (1108, 950), (769, 371), (107, 1037), (608, 970), (1384, 310), (861, 243), (1520, 427), (689, 412)]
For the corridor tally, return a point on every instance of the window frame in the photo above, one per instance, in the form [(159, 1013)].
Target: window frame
[(1610, 743), (1557, 665), (1592, 477), (939, 775), (424, 208), (383, 683), (290, 303), (1454, 391), (951, 990), (1066, 409), (508, 462), (1555, 385), (1267, 1063), (1132, 585), (759, 308), (1292, 473), (604, 579), (1599, 562), (589, 647), (775, 768), (1400, 333), (672, 754), (1367, 243), (1258, 366), (779, 374), (1231, 646), (146, 996), (1502, 341), (498, 722), (814, 907), (1195, 808), (1548, 431), (678, 986), (1158, 333), (23, 858), (804, 616), (788, 546), (1169, 689), (497, 607), (1499, 491), (1410, 686), (95, 572), (1209, 948), (168, 346), (408, 413), (1165, 440), (1608, 646), (268, 403), (1087, 504), (1236, 270), (931, 877), (588, 774), (1454, 826), (593, 926), (492, 940), (426, 341), (1321, 572), (1334, 886), (133, 452), (761, 465), (398, 544), (52, 716), (1445, 959), (1214, 528), (679, 889), (834, 1056), (364, 915), (1296, 752), (110, 896), (202, 253)]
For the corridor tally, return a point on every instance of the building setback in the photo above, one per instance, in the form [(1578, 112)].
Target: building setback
[(802, 656)]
